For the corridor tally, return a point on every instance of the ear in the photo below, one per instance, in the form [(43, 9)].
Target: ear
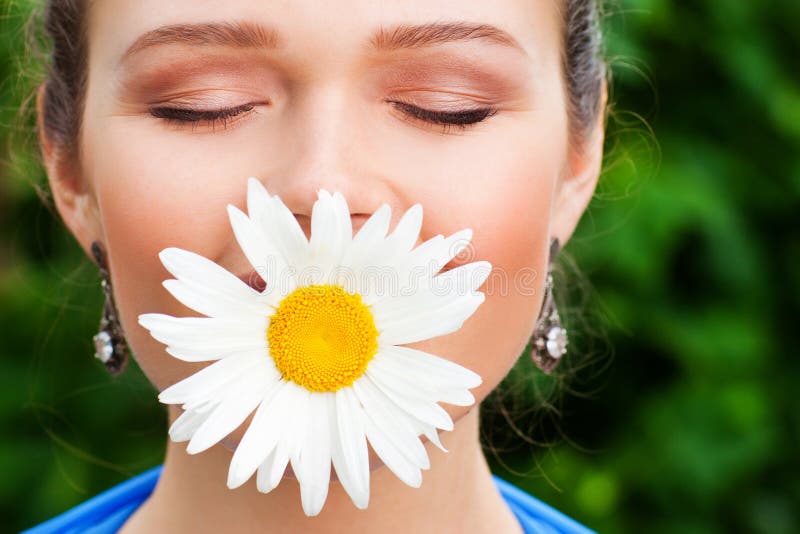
[(579, 178), (74, 199)]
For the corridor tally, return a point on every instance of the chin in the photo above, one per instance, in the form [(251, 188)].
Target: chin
[(231, 441)]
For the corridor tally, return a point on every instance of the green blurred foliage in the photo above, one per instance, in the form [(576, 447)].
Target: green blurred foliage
[(677, 408)]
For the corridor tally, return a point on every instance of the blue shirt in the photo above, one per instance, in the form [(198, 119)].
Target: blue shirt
[(107, 512)]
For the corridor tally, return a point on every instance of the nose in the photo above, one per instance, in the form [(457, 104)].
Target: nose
[(324, 147)]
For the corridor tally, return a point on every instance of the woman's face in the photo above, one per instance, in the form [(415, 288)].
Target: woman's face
[(332, 89)]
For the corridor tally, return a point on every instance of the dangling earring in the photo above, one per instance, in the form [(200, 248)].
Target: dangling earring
[(110, 346), (549, 337)]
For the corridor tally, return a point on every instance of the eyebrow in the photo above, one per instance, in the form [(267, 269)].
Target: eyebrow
[(245, 34)]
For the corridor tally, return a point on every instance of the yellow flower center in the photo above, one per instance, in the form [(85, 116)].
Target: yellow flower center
[(322, 337)]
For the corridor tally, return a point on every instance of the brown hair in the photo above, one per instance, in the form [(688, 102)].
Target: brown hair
[(66, 75), (583, 67)]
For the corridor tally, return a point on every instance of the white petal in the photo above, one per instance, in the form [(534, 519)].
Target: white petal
[(258, 199), (365, 250), (429, 371), (316, 456), (207, 338), (194, 326), (208, 353), (392, 422), (440, 249), (323, 240), (469, 276), (387, 266), (270, 472), (430, 323), (258, 248), (426, 249), (448, 250), (288, 234), (296, 432), (433, 294), (418, 386), (391, 456), (198, 271), (373, 279), (211, 302), (337, 456), (349, 447), (204, 406), (322, 221), (408, 270), (331, 234), (281, 232), (374, 229), (344, 225), (428, 412), (406, 232), (231, 412), (211, 378), (185, 425), (426, 260), (430, 432), (272, 469), (262, 434)]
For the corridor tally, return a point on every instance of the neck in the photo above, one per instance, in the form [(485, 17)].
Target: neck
[(457, 495)]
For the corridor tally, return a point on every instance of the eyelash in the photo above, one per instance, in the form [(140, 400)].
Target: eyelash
[(446, 121), (184, 116)]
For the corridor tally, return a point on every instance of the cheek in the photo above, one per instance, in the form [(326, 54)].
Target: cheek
[(492, 339), (506, 200), (149, 201)]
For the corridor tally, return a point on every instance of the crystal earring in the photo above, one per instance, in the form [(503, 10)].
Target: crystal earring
[(110, 346), (549, 337)]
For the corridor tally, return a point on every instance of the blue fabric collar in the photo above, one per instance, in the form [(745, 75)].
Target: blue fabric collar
[(108, 511)]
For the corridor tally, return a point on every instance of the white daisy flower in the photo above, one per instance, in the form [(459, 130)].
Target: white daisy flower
[(318, 355)]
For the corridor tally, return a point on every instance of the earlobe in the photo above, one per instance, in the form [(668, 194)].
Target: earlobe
[(579, 178), (74, 201)]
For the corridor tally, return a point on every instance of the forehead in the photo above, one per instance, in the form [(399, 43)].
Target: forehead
[(308, 30)]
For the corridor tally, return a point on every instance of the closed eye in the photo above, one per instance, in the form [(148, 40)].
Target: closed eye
[(461, 119), (189, 116)]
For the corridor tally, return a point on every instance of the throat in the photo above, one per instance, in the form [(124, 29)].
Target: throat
[(457, 495)]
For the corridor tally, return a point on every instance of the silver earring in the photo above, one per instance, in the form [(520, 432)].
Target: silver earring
[(549, 337), (110, 346)]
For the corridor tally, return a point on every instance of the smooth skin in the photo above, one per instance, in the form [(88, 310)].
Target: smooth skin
[(324, 115)]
